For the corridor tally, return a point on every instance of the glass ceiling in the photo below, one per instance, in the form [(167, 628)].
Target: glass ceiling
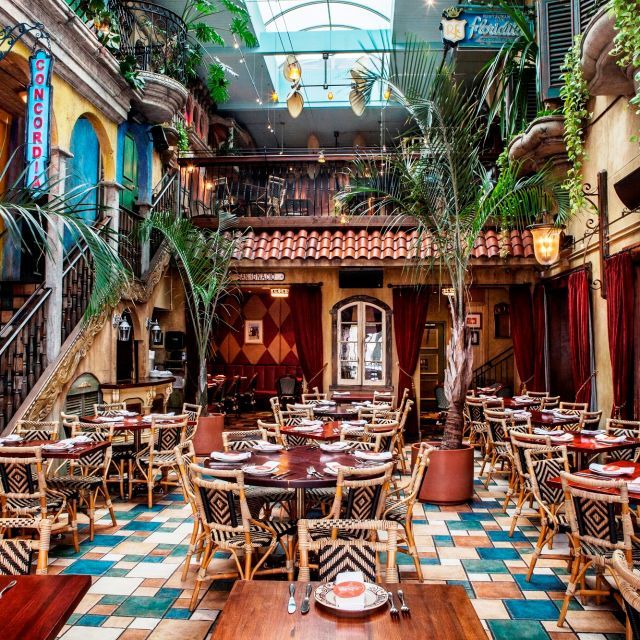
[(324, 15)]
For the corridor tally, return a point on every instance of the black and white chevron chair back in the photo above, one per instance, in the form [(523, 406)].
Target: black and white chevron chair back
[(337, 556), (241, 440), (475, 410), (109, 409), (32, 430), (627, 428), (363, 492), (15, 557), (19, 477), (542, 464), (168, 433), (97, 461)]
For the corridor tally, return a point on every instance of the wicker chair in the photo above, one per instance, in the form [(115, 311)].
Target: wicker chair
[(24, 492), (192, 411), (543, 463), (228, 525), (499, 446), (399, 505), (590, 420), (400, 443), (109, 409), (271, 432), (476, 427), (405, 396), (358, 552), (313, 395), (550, 402), (16, 554), (87, 478), (294, 419), (573, 408), (600, 524), (242, 440), (31, 430), (628, 428), (68, 420), (276, 408), (159, 455), (384, 398), (628, 583)]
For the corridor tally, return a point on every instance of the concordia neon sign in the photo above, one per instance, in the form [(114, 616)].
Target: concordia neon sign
[(38, 120)]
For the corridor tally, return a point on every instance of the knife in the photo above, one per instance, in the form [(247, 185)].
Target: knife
[(304, 608), (291, 607)]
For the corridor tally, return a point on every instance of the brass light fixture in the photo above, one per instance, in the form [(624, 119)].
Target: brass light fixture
[(546, 240), (387, 93), (295, 102), (321, 158), (291, 69)]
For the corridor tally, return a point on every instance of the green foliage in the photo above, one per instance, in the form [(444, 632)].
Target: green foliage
[(627, 39), (183, 136), (129, 71), (218, 84), (575, 94)]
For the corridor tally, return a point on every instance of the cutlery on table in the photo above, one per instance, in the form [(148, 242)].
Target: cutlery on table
[(12, 584), (313, 472), (393, 610), (284, 474), (305, 606), (291, 607), (404, 608)]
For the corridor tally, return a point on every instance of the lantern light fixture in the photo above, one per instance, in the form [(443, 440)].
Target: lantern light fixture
[(120, 322), (156, 332), (546, 240)]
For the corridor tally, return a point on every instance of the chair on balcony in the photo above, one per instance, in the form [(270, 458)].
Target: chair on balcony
[(276, 193), (222, 200)]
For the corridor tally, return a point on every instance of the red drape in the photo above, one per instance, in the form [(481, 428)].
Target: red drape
[(409, 316), (539, 324), (306, 314), (579, 335), (522, 332), (620, 294)]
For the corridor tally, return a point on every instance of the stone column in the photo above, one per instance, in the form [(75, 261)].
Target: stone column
[(111, 204), (54, 258)]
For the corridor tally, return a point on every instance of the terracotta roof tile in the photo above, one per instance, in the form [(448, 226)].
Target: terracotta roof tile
[(372, 245)]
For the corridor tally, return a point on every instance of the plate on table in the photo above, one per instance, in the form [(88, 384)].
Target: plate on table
[(307, 428), (548, 432), (332, 468), (268, 447), (266, 469), (82, 439), (605, 439), (611, 470), (63, 445), (12, 437), (352, 423), (230, 456), (375, 456), (336, 447), (591, 432), (375, 597), (565, 437)]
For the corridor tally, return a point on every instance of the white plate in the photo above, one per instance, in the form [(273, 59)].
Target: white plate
[(600, 470), (375, 597), (381, 456), (58, 446), (231, 456), (12, 437), (353, 423), (259, 469), (610, 439), (336, 447), (268, 447), (306, 429), (591, 432)]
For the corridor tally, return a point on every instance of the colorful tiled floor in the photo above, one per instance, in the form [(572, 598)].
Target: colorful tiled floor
[(137, 593)]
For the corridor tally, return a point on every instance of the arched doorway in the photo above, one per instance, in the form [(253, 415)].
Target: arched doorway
[(126, 354)]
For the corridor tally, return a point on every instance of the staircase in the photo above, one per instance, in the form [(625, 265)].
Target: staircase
[(496, 369), (13, 295)]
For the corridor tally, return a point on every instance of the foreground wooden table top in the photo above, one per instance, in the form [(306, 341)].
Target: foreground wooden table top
[(258, 609), (39, 606)]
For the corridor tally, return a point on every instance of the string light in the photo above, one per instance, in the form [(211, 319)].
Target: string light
[(330, 95), (274, 96), (387, 93)]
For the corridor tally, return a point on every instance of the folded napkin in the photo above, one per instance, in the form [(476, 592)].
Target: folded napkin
[(267, 446), (230, 456), (61, 444), (342, 393), (522, 398), (310, 423), (322, 408), (603, 437), (611, 469), (362, 403), (332, 468), (151, 416), (521, 414), (302, 428), (300, 407), (548, 432), (349, 590), (353, 423), (377, 456), (12, 437), (336, 446), (81, 439), (326, 403), (125, 412), (108, 419), (634, 485), (564, 437)]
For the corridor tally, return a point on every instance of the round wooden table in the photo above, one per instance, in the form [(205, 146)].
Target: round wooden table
[(339, 412), (328, 432), (296, 461)]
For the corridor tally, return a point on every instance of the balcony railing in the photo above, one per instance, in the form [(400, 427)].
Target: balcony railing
[(129, 245), (153, 35)]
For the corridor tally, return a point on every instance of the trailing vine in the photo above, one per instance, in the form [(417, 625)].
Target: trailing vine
[(183, 136), (575, 94), (626, 43)]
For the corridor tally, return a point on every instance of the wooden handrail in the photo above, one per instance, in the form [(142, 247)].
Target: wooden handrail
[(35, 300)]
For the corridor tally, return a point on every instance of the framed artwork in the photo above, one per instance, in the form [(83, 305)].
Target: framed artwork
[(253, 332), (474, 320), (475, 338)]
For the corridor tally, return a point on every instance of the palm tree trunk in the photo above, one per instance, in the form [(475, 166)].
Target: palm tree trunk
[(202, 398), (457, 377)]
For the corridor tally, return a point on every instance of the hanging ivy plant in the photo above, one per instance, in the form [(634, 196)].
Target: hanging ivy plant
[(218, 84), (575, 94), (626, 43), (183, 136)]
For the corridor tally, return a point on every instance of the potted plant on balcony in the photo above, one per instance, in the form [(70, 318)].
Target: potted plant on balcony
[(203, 257), (446, 188)]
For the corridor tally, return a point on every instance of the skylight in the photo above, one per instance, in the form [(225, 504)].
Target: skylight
[(324, 15)]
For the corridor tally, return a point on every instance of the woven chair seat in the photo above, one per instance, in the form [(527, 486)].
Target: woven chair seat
[(352, 534), (321, 494), (269, 494), (123, 451), (596, 551), (32, 505), (160, 459), (258, 537), (15, 557), (394, 510), (73, 484)]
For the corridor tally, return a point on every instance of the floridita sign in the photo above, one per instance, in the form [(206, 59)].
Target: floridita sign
[(477, 27), (38, 120), (267, 276)]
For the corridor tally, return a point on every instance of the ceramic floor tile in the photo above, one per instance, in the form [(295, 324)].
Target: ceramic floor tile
[(115, 586)]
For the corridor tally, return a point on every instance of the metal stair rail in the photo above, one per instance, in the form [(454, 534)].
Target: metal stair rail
[(496, 369)]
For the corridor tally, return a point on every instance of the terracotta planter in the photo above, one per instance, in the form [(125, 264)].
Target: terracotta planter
[(449, 476), (208, 436)]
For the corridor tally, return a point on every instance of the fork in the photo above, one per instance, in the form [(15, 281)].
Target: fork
[(312, 472), (12, 584), (404, 608), (393, 610)]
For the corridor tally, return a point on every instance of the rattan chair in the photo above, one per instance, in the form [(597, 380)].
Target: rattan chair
[(590, 420), (24, 492), (68, 420), (276, 408), (384, 398), (228, 525), (109, 409), (16, 554), (600, 524), (192, 411), (475, 427), (499, 446), (628, 583), (31, 430), (159, 455), (87, 477), (314, 395), (550, 402), (400, 443), (242, 440), (544, 463), (628, 428), (573, 408), (294, 419), (271, 432), (399, 505), (359, 551), (403, 398)]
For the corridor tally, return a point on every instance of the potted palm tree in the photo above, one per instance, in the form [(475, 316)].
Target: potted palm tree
[(204, 259), (446, 189)]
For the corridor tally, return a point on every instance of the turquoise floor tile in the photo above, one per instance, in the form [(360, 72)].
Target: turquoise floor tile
[(90, 620), (517, 629), (443, 541), (144, 607), (138, 525), (475, 515), (116, 573), (178, 614), (485, 566), (88, 567), (106, 540), (112, 599), (491, 553), (503, 536), (169, 593), (465, 525), (539, 583), (531, 609)]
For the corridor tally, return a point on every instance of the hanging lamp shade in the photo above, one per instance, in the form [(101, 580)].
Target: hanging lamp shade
[(356, 100), (291, 69), (295, 103), (546, 242), (359, 72)]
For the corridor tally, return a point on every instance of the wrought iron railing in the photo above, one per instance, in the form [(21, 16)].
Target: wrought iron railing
[(153, 35), (497, 369), (77, 284), (129, 246), (23, 354)]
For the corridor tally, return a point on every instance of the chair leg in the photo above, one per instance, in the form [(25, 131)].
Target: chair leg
[(190, 551), (571, 589), (121, 478), (91, 512), (109, 504), (411, 543), (206, 559), (516, 514), (537, 551)]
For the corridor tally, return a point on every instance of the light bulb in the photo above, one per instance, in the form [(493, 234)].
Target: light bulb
[(274, 96), (387, 93), (330, 95)]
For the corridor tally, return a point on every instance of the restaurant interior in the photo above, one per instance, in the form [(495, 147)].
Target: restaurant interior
[(319, 319)]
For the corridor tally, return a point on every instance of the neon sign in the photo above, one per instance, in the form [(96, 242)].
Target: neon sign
[(38, 120)]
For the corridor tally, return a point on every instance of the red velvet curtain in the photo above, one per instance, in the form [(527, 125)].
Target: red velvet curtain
[(410, 306), (522, 332), (620, 294), (579, 334), (305, 302), (540, 328)]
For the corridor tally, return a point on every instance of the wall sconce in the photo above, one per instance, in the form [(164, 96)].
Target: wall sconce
[(546, 242), (156, 332), (279, 293), (321, 158), (122, 324)]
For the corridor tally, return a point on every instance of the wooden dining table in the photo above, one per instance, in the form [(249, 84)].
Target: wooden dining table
[(588, 446), (328, 432), (75, 452), (437, 611), (39, 606), (544, 420)]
